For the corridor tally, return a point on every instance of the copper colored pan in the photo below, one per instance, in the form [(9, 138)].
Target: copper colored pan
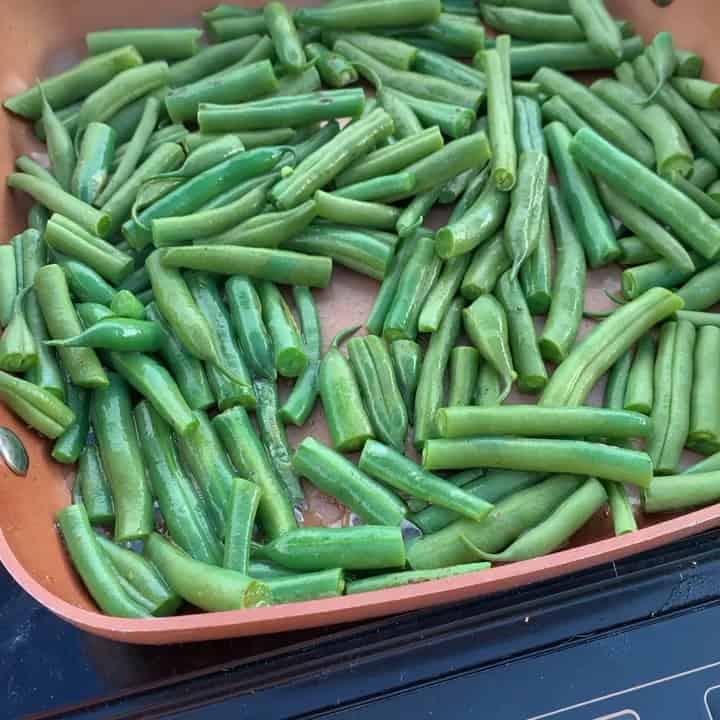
[(41, 36)]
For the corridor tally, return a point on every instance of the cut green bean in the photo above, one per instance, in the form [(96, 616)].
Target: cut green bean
[(704, 428), (337, 476)]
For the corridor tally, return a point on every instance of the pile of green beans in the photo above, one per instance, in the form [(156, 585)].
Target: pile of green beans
[(162, 314)]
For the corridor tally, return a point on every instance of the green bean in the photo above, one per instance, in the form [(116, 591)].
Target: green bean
[(568, 56), (672, 150), (355, 212), (601, 116), (284, 35), (290, 357), (93, 162), (554, 531), (334, 474), (334, 69), (662, 55), (205, 586), (126, 120), (372, 14), (525, 218), (673, 383), (125, 87), (566, 308), (699, 93), (280, 266), (512, 516), (704, 428), (136, 147), (531, 420), (342, 402), (167, 134), (38, 217), (708, 464), (248, 454), (18, 349), (116, 438), (486, 324), (703, 174), (301, 83), (69, 238), (635, 252), (229, 377), (500, 117), (494, 487), (301, 400), (241, 519), (705, 201), (701, 290), (639, 391), (59, 314), (210, 60), (453, 120), (488, 263), (482, 219), (386, 188), (651, 233), (689, 63), (464, 367), (246, 314), (388, 289), (165, 158), (674, 493), (536, 25), (391, 51), (443, 291), (637, 280), (94, 488), (275, 439), (541, 455), (61, 152), (697, 132), (712, 119), (416, 84), (233, 85), (57, 200), (306, 586), (596, 22), (531, 373), (557, 109), (204, 457), (400, 472), (367, 547), (488, 391), (405, 121), (316, 171), (407, 360), (76, 83), (8, 283), (280, 112), (699, 318), (126, 305), (186, 369), (416, 280), (152, 43), (227, 28), (94, 566), (578, 189), (572, 381), (69, 445), (185, 513), (177, 305)]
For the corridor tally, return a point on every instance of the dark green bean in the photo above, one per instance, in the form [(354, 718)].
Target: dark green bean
[(69, 445), (241, 520), (407, 359), (96, 494)]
